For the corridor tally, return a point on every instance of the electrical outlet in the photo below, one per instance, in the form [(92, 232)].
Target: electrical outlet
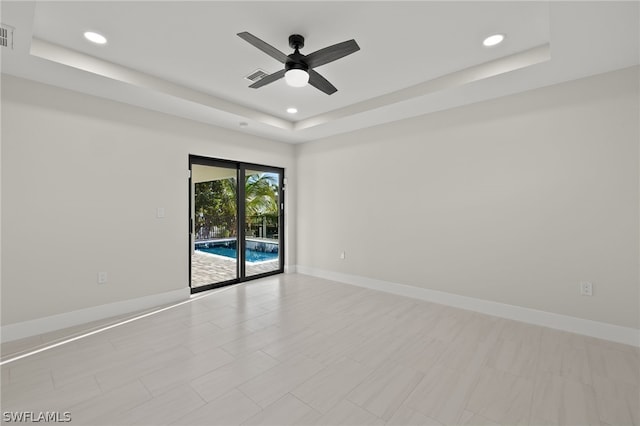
[(342, 255), (586, 288), (102, 277)]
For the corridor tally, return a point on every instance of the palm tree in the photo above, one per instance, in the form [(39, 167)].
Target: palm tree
[(261, 194), (216, 203), (261, 200)]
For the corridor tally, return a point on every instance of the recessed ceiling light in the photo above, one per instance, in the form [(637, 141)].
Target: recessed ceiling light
[(493, 40), (292, 110), (243, 124), (95, 37)]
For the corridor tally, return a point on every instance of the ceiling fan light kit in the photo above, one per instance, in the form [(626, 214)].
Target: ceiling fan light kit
[(296, 77), (298, 68)]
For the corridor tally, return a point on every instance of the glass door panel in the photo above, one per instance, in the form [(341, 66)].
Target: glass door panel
[(214, 219), (262, 200), (235, 230)]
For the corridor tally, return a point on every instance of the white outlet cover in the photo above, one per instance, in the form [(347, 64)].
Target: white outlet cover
[(586, 288), (102, 277)]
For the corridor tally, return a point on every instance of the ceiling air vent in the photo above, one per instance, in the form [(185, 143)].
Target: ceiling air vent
[(6, 36), (256, 75)]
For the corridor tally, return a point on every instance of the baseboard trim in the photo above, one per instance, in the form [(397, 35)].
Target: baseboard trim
[(600, 330), (43, 325)]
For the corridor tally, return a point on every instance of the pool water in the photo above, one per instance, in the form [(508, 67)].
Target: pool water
[(228, 249)]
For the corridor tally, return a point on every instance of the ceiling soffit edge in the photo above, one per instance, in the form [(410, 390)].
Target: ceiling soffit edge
[(84, 62)]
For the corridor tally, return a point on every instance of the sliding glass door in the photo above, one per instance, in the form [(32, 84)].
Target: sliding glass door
[(236, 231), (262, 222), (214, 213)]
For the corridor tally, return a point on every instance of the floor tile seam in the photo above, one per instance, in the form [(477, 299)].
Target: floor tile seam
[(477, 371), (142, 402), (184, 380), (149, 395), (156, 346), (127, 382), (371, 373), (237, 388), (279, 365), (591, 375), (346, 398), (188, 384), (472, 387), (222, 395), (172, 359), (302, 402), (240, 355), (323, 369), (591, 388), (291, 347), (204, 403), (38, 394), (467, 395), (536, 377), (620, 383), (401, 403), (95, 381), (569, 377), (335, 404), (245, 381), (594, 374), (484, 417), (77, 376), (17, 382)]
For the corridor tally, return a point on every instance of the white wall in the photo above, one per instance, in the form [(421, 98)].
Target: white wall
[(514, 200), (81, 180)]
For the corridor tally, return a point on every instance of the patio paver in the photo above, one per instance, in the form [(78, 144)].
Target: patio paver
[(207, 268)]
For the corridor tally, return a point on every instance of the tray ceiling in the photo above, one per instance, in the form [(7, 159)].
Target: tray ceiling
[(185, 59)]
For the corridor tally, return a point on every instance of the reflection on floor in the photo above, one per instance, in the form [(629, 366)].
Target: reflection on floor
[(292, 349), (208, 269)]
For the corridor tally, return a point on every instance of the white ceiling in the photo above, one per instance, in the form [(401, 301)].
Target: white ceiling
[(184, 58)]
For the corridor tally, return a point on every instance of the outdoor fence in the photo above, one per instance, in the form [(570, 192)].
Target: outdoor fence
[(256, 226)]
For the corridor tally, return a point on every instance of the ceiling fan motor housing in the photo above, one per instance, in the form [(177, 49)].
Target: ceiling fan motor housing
[(296, 64), (296, 59), (296, 41)]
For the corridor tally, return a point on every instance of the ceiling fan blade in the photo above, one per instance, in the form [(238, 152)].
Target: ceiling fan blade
[(331, 53), (321, 83), (265, 47), (268, 79)]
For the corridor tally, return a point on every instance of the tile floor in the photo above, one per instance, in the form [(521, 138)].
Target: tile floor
[(297, 350)]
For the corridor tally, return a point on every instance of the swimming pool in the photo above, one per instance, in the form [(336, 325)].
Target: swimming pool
[(256, 251)]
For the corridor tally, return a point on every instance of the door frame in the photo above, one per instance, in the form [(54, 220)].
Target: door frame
[(241, 168)]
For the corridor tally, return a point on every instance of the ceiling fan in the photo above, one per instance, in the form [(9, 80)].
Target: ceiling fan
[(298, 68)]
